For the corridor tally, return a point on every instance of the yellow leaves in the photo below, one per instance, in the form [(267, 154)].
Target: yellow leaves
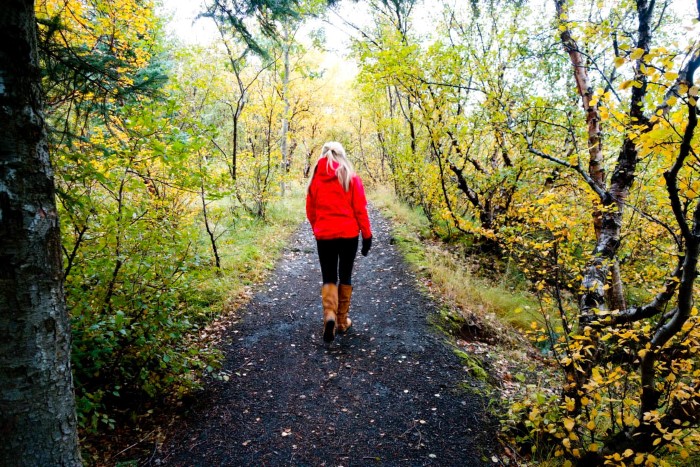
[(569, 423), (693, 91), (637, 54), (619, 61), (596, 376), (643, 352), (570, 404), (533, 415), (626, 84)]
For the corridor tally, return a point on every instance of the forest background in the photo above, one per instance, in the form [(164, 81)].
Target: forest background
[(554, 142)]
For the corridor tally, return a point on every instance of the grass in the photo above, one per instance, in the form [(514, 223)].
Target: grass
[(249, 249)]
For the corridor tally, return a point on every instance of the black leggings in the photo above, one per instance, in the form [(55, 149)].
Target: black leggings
[(337, 257)]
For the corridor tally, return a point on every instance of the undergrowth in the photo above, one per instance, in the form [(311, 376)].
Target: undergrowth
[(132, 365)]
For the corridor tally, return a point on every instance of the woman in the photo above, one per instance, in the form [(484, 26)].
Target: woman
[(337, 209)]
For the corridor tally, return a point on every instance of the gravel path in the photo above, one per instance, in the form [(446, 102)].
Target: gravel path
[(389, 392)]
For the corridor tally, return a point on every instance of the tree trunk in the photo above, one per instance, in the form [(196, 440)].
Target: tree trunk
[(585, 90), (285, 115), (37, 406)]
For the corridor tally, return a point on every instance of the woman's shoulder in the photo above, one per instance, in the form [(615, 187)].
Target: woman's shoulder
[(356, 178)]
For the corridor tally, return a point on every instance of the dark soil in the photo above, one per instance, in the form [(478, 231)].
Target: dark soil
[(389, 392)]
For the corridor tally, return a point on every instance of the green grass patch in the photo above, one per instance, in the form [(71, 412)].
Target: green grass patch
[(249, 249)]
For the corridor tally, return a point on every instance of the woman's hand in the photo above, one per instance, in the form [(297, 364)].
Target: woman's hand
[(366, 245)]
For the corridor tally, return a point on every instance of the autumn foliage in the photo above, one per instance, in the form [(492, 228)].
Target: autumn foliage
[(569, 144)]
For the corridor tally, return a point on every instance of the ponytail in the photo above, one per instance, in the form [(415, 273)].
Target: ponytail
[(334, 152)]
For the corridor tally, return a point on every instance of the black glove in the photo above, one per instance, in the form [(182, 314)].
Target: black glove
[(366, 245)]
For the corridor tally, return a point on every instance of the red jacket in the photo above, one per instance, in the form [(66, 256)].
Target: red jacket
[(333, 212)]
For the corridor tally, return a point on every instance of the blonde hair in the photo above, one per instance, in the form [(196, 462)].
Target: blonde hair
[(335, 152)]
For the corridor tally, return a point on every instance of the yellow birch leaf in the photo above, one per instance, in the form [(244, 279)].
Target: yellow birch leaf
[(570, 404), (637, 54), (569, 423)]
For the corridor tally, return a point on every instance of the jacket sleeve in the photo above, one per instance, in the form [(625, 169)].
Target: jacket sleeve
[(310, 205), (359, 206)]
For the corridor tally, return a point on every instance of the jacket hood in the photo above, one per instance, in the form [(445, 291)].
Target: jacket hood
[(324, 172)]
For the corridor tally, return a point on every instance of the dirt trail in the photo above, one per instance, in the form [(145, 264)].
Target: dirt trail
[(389, 392)]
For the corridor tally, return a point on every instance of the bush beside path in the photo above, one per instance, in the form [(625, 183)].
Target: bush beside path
[(391, 391)]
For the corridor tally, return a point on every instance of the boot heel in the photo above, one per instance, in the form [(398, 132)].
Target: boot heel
[(329, 331)]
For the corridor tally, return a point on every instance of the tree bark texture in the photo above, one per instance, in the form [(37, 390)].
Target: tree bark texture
[(585, 90), (37, 406)]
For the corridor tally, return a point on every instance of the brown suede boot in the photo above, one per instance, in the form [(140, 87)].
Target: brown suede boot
[(344, 294), (329, 298)]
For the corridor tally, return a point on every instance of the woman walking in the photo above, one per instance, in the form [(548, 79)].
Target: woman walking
[(336, 206)]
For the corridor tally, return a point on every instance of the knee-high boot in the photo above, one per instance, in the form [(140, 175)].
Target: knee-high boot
[(329, 298), (344, 294)]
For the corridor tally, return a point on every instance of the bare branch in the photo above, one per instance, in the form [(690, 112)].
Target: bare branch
[(604, 195)]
